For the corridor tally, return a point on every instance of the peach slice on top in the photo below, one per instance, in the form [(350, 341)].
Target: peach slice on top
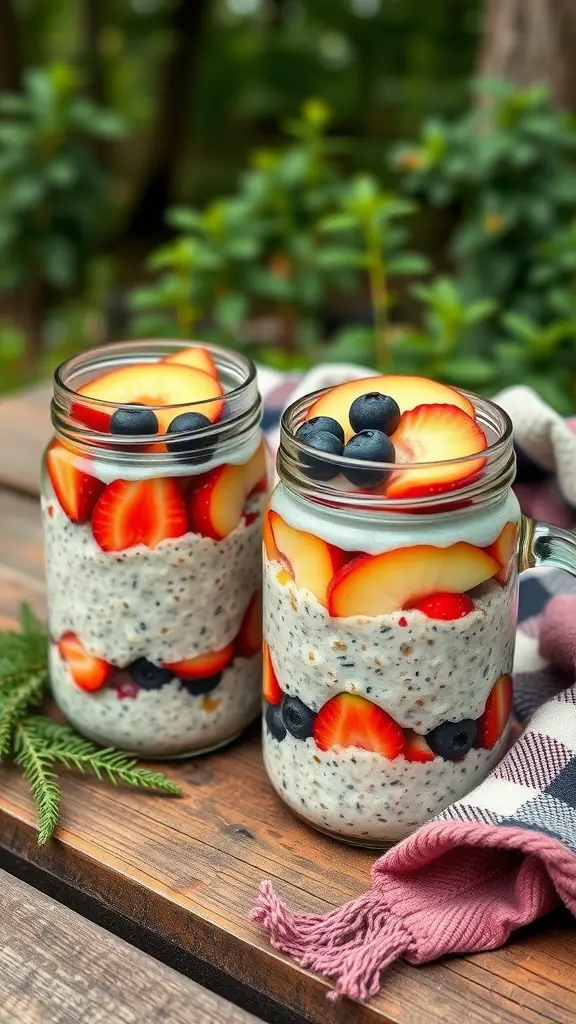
[(381, 584), (311, 561), (407, 391), (503, 550), (156, 384), (195, 356), (215, 508), (437, 434)]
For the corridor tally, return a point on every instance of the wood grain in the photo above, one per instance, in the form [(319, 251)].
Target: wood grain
[(187, 870), (58, 968)]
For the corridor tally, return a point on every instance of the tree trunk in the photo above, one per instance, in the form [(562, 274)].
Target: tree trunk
[(10, 49), (531, 41), (168, 136)]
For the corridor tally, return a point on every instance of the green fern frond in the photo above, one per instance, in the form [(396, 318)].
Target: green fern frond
[(29, 624), (43, 783), (14, 702)]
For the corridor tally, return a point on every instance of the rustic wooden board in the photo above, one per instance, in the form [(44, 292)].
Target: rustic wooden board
[(58, 968), (185, 872)]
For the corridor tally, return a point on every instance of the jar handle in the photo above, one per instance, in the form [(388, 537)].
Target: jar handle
[(544, 544)]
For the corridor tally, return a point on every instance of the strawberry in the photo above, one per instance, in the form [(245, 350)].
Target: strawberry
[(139, 512), (76, 490), (445, 606), (249, 639), (417, 748), (496, 713), (270, 686), (87, 671), (203, 665), (348, 720)]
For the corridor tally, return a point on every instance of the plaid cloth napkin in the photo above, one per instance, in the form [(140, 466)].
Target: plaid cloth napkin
[(505, 854)]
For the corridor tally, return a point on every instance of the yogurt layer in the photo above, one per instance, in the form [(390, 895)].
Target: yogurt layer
[(185, 597), (165, 722), (422, 673)]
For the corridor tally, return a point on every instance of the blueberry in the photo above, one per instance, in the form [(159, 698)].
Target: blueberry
[(197, 448), (317, 423), (149, 676), (452, 740), (373, 446), (274, 722), (321, 469), (374, 411), (134, 419), (297, 717), (200, 686)]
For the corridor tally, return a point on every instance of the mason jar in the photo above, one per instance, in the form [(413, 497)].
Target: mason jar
[(152, 499), (389, 628)]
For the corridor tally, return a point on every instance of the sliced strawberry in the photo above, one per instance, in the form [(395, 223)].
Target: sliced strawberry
[(417, 748), (195, 356), (271, 689), (77, 491), (249, 639), (203, 665), (445, 606), (348, 720), (215, 508), (439, 434), (88, 672), (496, 713), (133, 512)]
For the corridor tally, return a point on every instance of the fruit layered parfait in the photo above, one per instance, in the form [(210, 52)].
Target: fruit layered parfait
[(153, 561), (388, 644)]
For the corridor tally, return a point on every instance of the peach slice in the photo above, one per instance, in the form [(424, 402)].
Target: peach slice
[(503, 550), (157, 384), (215, 508), (407, 391), (311, 560), (438, 434), (249, 639), (195, 356), (272, 553), (203, 665), (381, 584)]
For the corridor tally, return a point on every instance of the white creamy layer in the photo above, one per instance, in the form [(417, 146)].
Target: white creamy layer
[(363, 796), (167, 722), (185, 597), (422, 674)]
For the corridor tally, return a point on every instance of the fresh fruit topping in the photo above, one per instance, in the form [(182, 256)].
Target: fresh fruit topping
[(133, 512), (297, 717), (445, 606), (197, 447), (148, 676), (216, 507), (270, 686), (317, 424), (202, 665), (157, 384), (321, 469), (349, 720), (374, 411), (134, 419), (201, 686), (77, 491), (272, 553), (126, 689), (437, 434), (249, 639), (496, 713), (275, 722), (369, 446), (284, 577), (503, 550), (311, 561), (87, 671), (197, 357), (381, 584), (406, 391), (417, 748), (452, 740)]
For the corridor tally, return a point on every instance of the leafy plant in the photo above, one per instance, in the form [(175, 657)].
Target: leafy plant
[(37, 743)]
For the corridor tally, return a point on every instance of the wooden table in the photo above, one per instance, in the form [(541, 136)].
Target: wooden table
[(177, 877)]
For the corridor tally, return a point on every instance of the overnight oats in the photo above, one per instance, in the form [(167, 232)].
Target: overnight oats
[(390, 601), (153, 495)]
